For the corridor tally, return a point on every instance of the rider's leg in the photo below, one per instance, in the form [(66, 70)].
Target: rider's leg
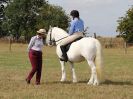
[(64, 55), (71, 38)]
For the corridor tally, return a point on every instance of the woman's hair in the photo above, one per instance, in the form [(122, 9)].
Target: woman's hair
[(74, 13)]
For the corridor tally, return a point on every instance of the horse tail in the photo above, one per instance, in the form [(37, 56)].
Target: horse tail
[(99, 61)]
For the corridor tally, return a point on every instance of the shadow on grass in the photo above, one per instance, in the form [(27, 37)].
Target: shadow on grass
[(67, 82), (85, 81), (106, 82), (59, 82), (109, 82)]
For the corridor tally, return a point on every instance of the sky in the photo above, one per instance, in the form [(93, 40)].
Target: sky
[(99, 15)]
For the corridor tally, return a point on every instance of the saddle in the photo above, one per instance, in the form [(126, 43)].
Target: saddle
[(65, 48)]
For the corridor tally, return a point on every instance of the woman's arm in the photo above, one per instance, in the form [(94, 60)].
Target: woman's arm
[(32, 41)]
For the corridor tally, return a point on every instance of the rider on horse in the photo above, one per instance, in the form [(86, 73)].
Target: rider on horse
[(75, 31)]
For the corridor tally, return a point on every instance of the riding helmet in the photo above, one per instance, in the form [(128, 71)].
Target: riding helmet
[(74, 13)]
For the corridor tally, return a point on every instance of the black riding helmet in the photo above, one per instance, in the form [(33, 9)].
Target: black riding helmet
[(74, 13)]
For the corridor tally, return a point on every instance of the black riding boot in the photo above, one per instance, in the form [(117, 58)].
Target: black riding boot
[(64, 55)]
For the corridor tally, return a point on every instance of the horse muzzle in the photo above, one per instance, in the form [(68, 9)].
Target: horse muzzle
[(51, 43)]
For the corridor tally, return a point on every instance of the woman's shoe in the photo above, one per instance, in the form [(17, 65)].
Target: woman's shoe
[(37, 83), (28, 81)]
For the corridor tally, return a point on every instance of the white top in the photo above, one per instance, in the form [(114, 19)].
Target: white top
[(36, 43)]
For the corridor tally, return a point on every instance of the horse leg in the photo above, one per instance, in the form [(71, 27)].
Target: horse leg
[(73, 72), (93, 80), (63, 78)]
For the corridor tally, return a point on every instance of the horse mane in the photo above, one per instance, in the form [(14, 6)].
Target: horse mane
[(59, 30)]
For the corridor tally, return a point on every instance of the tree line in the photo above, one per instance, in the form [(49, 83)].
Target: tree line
[(24, 17)]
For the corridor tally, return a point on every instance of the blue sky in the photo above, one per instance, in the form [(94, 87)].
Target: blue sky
[(99, 15)]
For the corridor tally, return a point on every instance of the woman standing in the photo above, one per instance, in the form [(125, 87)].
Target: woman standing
[(35, 56)]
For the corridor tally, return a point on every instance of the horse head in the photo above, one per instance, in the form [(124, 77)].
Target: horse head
[(55, 35), (50, 39)]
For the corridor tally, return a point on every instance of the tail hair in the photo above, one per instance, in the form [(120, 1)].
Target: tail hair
[(99, 61)]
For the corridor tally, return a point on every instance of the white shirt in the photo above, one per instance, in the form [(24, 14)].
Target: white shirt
[(36, 43)]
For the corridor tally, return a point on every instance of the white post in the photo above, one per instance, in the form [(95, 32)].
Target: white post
[(125, 47), (10, 43)]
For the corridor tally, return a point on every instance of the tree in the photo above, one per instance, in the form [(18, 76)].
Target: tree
[(54, 16), (20, 17), (3, 3), (125, 26), (24, 17)]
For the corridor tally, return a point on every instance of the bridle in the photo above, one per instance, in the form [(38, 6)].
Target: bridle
[(53, 41), (51, 37)]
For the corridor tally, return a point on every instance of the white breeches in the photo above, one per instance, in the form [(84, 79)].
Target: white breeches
[(71, 38)]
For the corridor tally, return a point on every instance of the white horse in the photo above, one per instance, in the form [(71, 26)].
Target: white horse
[(87, 48)]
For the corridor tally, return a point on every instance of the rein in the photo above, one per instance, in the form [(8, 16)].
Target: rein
[(61, 39)]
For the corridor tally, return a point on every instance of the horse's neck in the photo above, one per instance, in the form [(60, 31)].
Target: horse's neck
[(60, 34)]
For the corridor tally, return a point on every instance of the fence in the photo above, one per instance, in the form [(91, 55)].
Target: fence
[(112, 42), (106, 42)]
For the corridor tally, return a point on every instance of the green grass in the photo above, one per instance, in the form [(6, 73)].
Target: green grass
[(15, 65)]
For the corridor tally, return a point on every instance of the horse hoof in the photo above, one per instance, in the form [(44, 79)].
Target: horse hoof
[(62, 80), (74, 81), (95, 83), (89, 83)]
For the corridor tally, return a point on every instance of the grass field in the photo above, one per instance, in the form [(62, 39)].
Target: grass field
[(14, 67)]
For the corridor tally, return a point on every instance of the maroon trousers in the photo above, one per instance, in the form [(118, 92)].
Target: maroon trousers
[(36, 62)]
